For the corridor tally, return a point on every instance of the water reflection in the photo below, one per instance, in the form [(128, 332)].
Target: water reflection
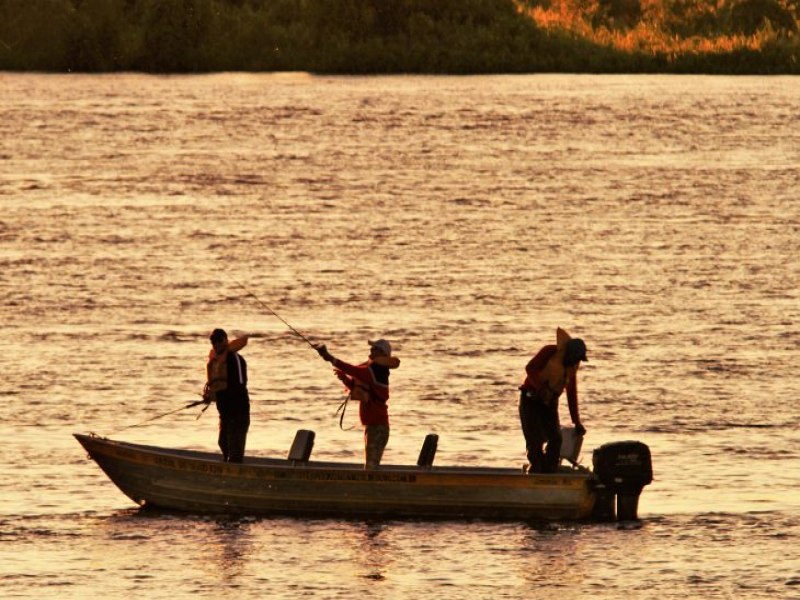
[(209, 550), (551, 552), (371, 550), (230, 546)]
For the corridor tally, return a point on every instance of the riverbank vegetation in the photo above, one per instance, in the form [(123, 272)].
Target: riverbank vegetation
[(402, 36)]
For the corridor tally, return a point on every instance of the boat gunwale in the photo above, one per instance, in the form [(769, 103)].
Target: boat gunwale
[(261, 462)]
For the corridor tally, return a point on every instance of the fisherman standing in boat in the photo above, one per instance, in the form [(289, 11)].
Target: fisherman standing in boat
[(227, 386), (369, 384), (553, 369)]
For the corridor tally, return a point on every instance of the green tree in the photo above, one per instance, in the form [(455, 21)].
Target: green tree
[(175, 32), (33, 34), (748, 16)]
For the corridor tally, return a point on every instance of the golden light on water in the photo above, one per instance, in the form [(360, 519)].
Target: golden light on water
[(461, 218)]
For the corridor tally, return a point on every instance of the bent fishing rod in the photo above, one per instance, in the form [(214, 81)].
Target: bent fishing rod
[(273, 313), (343, 406)]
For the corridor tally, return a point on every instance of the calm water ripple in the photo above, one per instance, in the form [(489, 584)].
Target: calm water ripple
[(462, 218)]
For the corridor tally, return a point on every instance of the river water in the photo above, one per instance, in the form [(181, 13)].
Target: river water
[(463, 219)]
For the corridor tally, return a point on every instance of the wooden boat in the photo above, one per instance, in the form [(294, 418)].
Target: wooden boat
[(199, 482)]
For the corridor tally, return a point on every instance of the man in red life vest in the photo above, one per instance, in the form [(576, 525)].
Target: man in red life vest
[(553, 369), (369, 384), (227, 386)]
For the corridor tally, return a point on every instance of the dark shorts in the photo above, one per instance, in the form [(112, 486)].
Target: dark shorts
[(540, 426), (233, 436)]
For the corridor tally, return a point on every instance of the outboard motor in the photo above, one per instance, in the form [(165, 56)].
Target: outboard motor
[(622, 469)]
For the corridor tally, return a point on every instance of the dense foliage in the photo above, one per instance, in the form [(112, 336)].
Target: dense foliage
[(411, 36), (717, 36)]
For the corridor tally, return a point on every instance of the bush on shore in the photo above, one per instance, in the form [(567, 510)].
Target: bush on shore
[(401, 36)]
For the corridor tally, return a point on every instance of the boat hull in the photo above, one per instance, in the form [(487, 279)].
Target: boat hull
[(200, 482)]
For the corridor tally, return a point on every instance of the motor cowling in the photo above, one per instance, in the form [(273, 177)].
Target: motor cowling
[(623, 469)]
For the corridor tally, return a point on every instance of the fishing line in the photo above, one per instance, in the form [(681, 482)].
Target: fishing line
[(272, 312), (342, 408), (171, 412), (207, 404)]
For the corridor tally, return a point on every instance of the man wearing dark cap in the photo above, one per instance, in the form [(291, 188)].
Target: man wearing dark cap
[(553, 369), (227, 386)]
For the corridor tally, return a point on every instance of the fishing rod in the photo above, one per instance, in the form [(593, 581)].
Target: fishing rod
[(343, 406), (272, 312), (171, 412), (207, 404)]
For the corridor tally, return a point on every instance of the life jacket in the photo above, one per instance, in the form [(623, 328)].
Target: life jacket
[(217, 367), (217, 370), (361, 391), (378, 389)]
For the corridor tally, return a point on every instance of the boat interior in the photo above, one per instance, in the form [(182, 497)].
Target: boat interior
[(299, 456)]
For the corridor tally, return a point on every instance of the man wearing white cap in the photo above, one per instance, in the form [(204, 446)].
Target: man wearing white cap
[(369, 384)]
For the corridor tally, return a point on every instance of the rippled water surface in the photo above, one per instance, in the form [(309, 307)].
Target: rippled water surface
[(461, 218)]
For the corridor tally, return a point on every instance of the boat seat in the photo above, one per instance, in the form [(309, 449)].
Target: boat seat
[(301, 446), (428, 451)]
